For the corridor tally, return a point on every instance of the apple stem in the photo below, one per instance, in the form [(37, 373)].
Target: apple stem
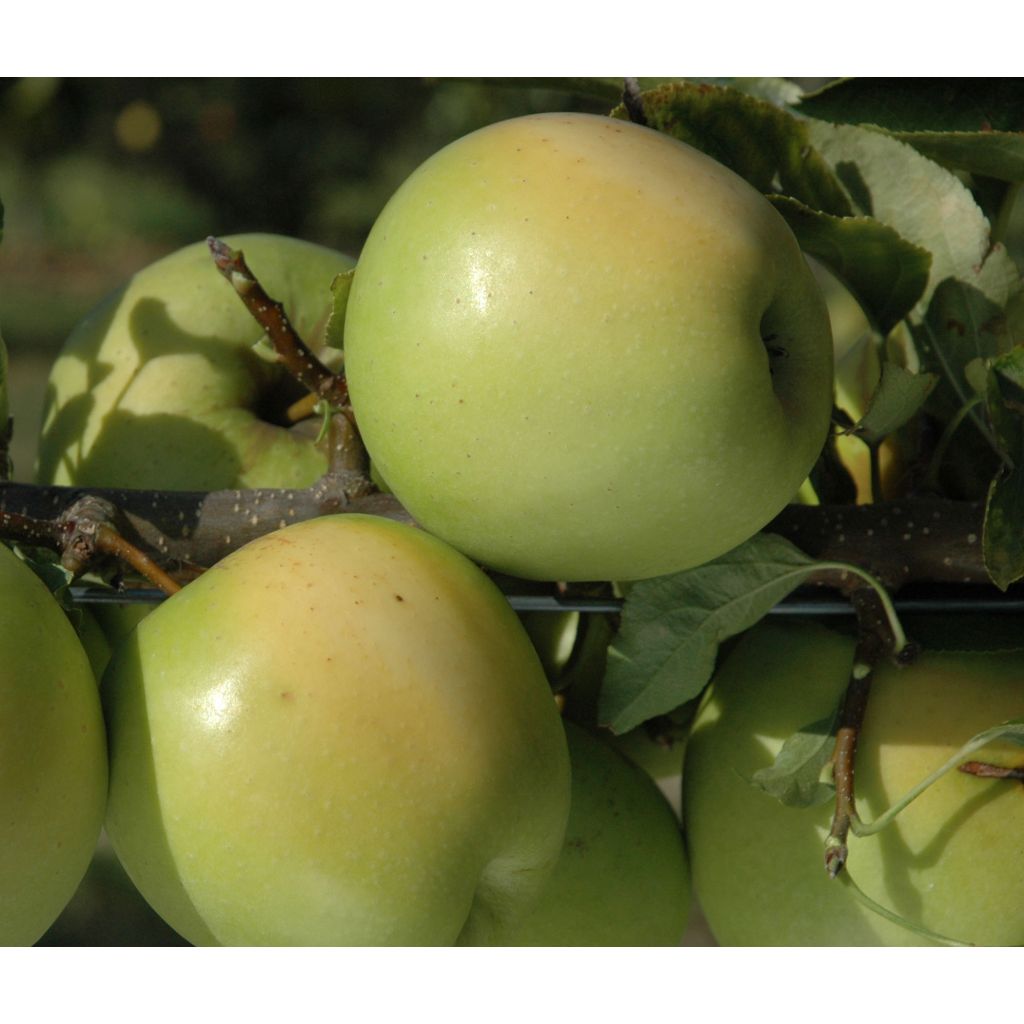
[(876, 639), (110, 542), (270, 314)]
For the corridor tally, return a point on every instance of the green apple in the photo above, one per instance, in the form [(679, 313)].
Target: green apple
[(95, 642), (622, 878), (579, 349), (53, 756), (950, 862), (159, 386), (339, 734)]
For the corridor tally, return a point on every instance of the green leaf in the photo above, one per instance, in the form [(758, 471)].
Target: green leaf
[(884, 272), (900, 395), (970, 124), (795, 776), (1002, 537), (938, 214), (916, 104), (961, 324), (672, 626), (759, 141), (340, 288)]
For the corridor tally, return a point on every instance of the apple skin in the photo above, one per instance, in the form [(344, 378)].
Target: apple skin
[(158, 387), (53, 756), (622, 878), (554, 347), (339, 734), (951, 861)]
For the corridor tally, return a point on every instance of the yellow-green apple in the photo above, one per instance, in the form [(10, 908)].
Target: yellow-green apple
[(53, 756), (94, 640), (950, 862), (159, 385), (339, 734), (579, 349), (623, 877)]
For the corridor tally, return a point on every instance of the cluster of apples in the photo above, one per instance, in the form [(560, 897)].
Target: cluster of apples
[(576, 350)]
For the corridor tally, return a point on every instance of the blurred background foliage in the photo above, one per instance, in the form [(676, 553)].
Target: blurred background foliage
[(99, 177)]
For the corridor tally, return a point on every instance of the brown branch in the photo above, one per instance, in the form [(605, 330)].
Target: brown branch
[(874, 642), (183, 530), (110, 542), (898, 542), (984, 770), (300, 361)]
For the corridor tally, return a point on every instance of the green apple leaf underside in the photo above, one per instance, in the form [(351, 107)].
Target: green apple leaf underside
[(794, 778), (672, 625), (884, 272), (666, 647), (972, 125), (938, 214), (900, 395), (764, 144)]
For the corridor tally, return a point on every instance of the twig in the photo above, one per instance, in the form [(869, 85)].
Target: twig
[(110, 542), (181, 530), (293, 352), (874, 641), (984, 770)]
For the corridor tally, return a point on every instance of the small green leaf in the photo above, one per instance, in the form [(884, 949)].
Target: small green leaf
[(795, 776), (672, 626), (1002, 538), (758, 140), (340, 288), (900, 395), (883, 271)]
